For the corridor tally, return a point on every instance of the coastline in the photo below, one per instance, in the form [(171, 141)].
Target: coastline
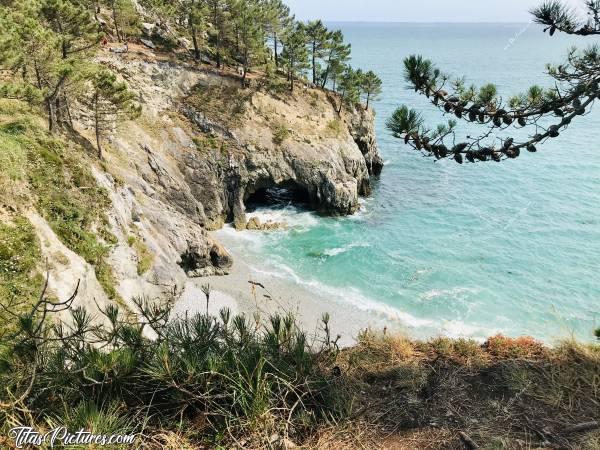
[(249, 290)]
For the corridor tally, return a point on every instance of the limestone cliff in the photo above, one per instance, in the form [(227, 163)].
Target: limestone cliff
[(204, 146)]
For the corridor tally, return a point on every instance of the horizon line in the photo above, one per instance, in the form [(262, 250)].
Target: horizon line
[(428, 23)]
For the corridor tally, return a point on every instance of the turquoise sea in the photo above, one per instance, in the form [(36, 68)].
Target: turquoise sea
[(462, 250)]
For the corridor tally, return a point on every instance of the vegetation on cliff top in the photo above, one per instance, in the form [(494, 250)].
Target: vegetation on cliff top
[(48, 49), (234, 382)]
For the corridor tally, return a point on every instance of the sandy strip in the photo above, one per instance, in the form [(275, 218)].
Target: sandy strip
[(281, 296)]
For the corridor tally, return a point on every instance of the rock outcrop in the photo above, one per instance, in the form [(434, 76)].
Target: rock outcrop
[(204, 147)]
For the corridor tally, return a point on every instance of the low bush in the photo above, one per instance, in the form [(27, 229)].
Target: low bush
[(226, 377), (280, 133)]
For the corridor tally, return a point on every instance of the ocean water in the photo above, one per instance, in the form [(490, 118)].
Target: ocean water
[(466, 250)]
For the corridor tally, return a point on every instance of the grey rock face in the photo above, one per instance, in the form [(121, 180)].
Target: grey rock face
[(187, 168)]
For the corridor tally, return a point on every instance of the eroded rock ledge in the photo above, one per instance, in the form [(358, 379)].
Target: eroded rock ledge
[(297, 142)]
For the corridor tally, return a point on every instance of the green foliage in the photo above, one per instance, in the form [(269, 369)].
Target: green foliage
[(419, 71), (145, 258), (335, 127), (337, 57), (371, 85), (597, 333), (574, 92), (20, 255), (109, 101), (295, 53), (280, 133), (252, 379), (318, 42), (96, 419), (47, 42), (126, 20), (249, 23), (404, 121), (556, 15), (277, 20), (487, 94), (62, 189)]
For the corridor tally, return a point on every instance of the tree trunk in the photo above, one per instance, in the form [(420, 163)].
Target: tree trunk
[(60, 106), (245, 69), (368, 98), (114, 14), (97, 125), (325, 77), (275, 40), (217, 25), (314, 62), (51, 116), (342, 98), (195, 41)]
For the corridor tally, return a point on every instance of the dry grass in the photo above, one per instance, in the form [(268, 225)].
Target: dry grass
[(224, 104), (506, 393)]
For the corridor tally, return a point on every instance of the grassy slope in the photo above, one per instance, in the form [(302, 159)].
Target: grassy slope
[(51, 175)]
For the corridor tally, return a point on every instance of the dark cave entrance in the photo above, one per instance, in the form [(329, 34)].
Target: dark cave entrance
[(278, 195)]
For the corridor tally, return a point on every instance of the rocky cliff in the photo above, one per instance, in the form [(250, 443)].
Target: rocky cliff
[(202, 148)]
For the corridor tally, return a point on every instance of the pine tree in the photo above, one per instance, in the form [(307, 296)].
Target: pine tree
[(109, 101), (248, 16), (48, 48), (126, 19), (219, 15), (350, 87), (73, 23), (577, 87), (196, 12), (318, 40), (371, 85), (295, 53), (279, 20), (337, 55)]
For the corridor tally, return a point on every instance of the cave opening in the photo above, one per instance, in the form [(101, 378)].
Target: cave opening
[(274, 195)]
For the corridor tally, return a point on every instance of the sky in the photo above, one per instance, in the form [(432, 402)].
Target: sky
[(417, 10)]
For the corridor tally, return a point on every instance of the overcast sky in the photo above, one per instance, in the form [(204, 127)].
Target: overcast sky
[(416, 10)]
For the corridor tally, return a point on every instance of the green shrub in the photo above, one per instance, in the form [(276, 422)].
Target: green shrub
[(145, 258), (280, 133), (238, 376), (335, 127), (20, 254)]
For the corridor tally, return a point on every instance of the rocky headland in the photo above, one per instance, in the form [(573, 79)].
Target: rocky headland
[(202, 149)]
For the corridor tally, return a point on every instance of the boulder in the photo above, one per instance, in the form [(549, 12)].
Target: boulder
[(205, 258), (184, 43), (254, 224), (148, 29), (148, 43)]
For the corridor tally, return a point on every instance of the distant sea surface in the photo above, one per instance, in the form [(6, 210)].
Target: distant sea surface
[(468, 250)]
